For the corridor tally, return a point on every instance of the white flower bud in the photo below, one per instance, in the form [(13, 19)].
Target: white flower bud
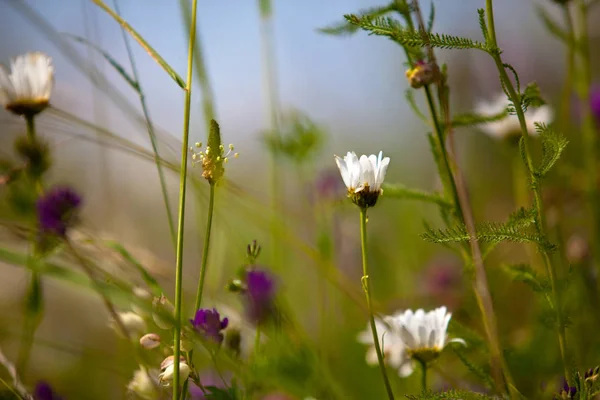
[(150, 341), (166, 377)]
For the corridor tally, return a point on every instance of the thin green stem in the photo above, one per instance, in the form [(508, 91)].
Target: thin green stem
[(150, 127), (367, 289), (423, 374), (211, 204), (33, 317), (540, 224), (272, 105), (182, 193), (440, 136)]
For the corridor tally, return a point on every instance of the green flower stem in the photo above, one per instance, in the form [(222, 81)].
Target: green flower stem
[(35, 312), (423, 374), (589, 134), (211, 204), (272, 104), (182, 193), (367, 289), (540, 224), (150, 127)]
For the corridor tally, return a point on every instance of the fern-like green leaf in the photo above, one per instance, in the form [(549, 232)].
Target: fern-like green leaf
[(431, 18), (553, 145), (481, 374), (392, 29), (346, 28), (450, 395), (403, 192), (470, 119), (488, 232), (516, 76), (483, 24), (524, 273), (522, 218)]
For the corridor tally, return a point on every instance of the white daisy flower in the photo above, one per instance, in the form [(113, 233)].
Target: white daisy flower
[(392, 347), (509, 127), (25, 90), (423, 333), (363, 176)]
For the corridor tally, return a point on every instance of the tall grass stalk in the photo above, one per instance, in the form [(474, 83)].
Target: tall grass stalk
[(367, 289), (540, 223), (150, 127), (182, 193), (583, 84), (272, 106)]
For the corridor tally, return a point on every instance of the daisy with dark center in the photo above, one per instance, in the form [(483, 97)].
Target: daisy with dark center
[(26, 88), (209, 324), (57, 210)]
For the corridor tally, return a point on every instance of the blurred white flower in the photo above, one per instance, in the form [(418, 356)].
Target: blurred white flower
[(143, 384), (509, 126), (168, 370), (424, 334), (134, 324), (26, 88), (392, 347)]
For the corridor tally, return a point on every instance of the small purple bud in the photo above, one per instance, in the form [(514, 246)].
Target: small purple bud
[(56, 210), (208, 323), (260, 292), (43, 391)]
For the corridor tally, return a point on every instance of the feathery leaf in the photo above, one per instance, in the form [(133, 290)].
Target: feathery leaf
[(553, 145), (346, 28), (402, 192)]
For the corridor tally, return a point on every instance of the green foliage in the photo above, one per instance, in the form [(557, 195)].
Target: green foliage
[(482, 374), (347, 28), (449, 395), (216, 393), (299, 140), (398, 191), (553, 145), (532, 96), (524, 273), (392, 29), (488, 232), (431, 18)]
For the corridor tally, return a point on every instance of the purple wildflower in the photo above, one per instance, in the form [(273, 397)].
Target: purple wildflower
[(595, 103), (260, 292), (43, 391), (56, 210), (208, 323), (568, 392)]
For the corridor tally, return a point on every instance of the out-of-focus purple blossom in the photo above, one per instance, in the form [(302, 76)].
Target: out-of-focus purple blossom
[(57, 209), (208, 323), (43, 391), (595, 103), (442, 281), (260, 294), (328, 187)]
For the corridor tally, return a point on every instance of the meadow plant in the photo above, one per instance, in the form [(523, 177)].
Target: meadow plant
[(172, 347)]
